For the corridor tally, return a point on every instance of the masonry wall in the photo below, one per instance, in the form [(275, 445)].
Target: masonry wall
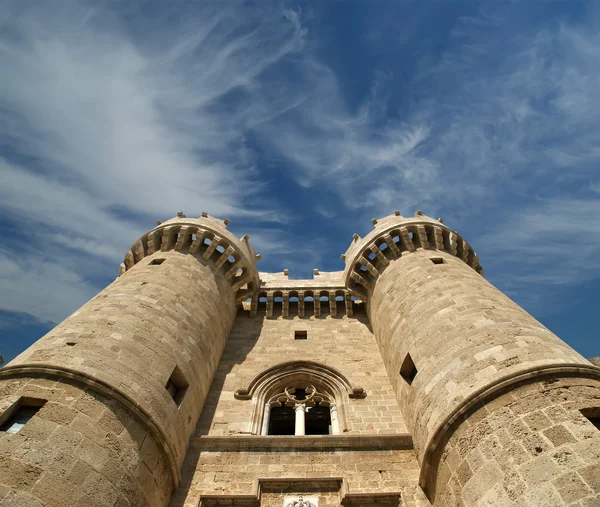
[(529, 447), (346, 344), (256, 344), (225, 473), (462, 333), (80, 450), (126, 342)]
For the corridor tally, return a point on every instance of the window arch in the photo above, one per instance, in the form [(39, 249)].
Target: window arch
[(300, 409), (299, 397)]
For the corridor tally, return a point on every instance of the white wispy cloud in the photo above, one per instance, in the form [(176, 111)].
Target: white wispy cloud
[(554, 242), (331, 145), (112, 119), (502, 125), (42, 288)]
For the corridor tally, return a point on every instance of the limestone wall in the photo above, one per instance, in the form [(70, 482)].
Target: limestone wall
[(234, 473), (158, 329), (81, 449), (343, 343), (530, 447), (461, 333), (257, 344)]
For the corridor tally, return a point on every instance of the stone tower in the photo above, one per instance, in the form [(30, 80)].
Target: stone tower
[(195, 380)]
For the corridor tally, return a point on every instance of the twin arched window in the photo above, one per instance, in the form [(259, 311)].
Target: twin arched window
[(301, 410), (299, 398)]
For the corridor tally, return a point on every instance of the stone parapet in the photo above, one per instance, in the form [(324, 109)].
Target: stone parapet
[(325, 293), (394, 236), (205, 237)]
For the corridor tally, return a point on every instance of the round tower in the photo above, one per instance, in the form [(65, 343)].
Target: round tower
[(491, 396), (118, 386)]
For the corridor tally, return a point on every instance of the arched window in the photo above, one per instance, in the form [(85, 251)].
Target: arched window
[(299, 398), (301, 409)]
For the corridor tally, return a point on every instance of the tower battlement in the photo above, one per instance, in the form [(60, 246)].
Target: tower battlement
[(393, 236), (208, 238)]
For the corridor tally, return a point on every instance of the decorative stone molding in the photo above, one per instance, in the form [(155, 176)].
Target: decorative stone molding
[(273, 381), (321, 297), (394, 236), (314, 442), (296, 484), (207, 238)]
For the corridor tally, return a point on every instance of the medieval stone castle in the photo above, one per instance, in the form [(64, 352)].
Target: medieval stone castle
[(404, 380)]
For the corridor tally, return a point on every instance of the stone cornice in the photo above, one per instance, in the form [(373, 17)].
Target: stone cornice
[(205, 237), (302, 483), (305, 442)]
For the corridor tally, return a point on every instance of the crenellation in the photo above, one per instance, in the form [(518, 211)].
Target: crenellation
[(405, 379)]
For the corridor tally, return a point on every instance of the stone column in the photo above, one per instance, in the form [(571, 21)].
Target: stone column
[(453, 343), (125, 377), (300, 412), (335, 423), (266, 416)]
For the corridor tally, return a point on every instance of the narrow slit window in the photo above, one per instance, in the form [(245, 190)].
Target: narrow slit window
[(592, 415), (156, 262), (408, 370), (301, 335), (436, 260), (177, 386), (21, 413)]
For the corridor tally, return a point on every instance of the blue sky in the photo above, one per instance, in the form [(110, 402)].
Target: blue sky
[(299, 122)]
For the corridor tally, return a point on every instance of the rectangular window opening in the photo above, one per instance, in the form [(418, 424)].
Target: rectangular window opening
[(318, 421), (20, 413), (282, 421), (592, 415), (177, 386), (436, 260), (301, 335), (156, 262), (408, 370)]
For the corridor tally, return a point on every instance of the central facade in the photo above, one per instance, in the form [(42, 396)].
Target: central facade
[(196, 380)]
